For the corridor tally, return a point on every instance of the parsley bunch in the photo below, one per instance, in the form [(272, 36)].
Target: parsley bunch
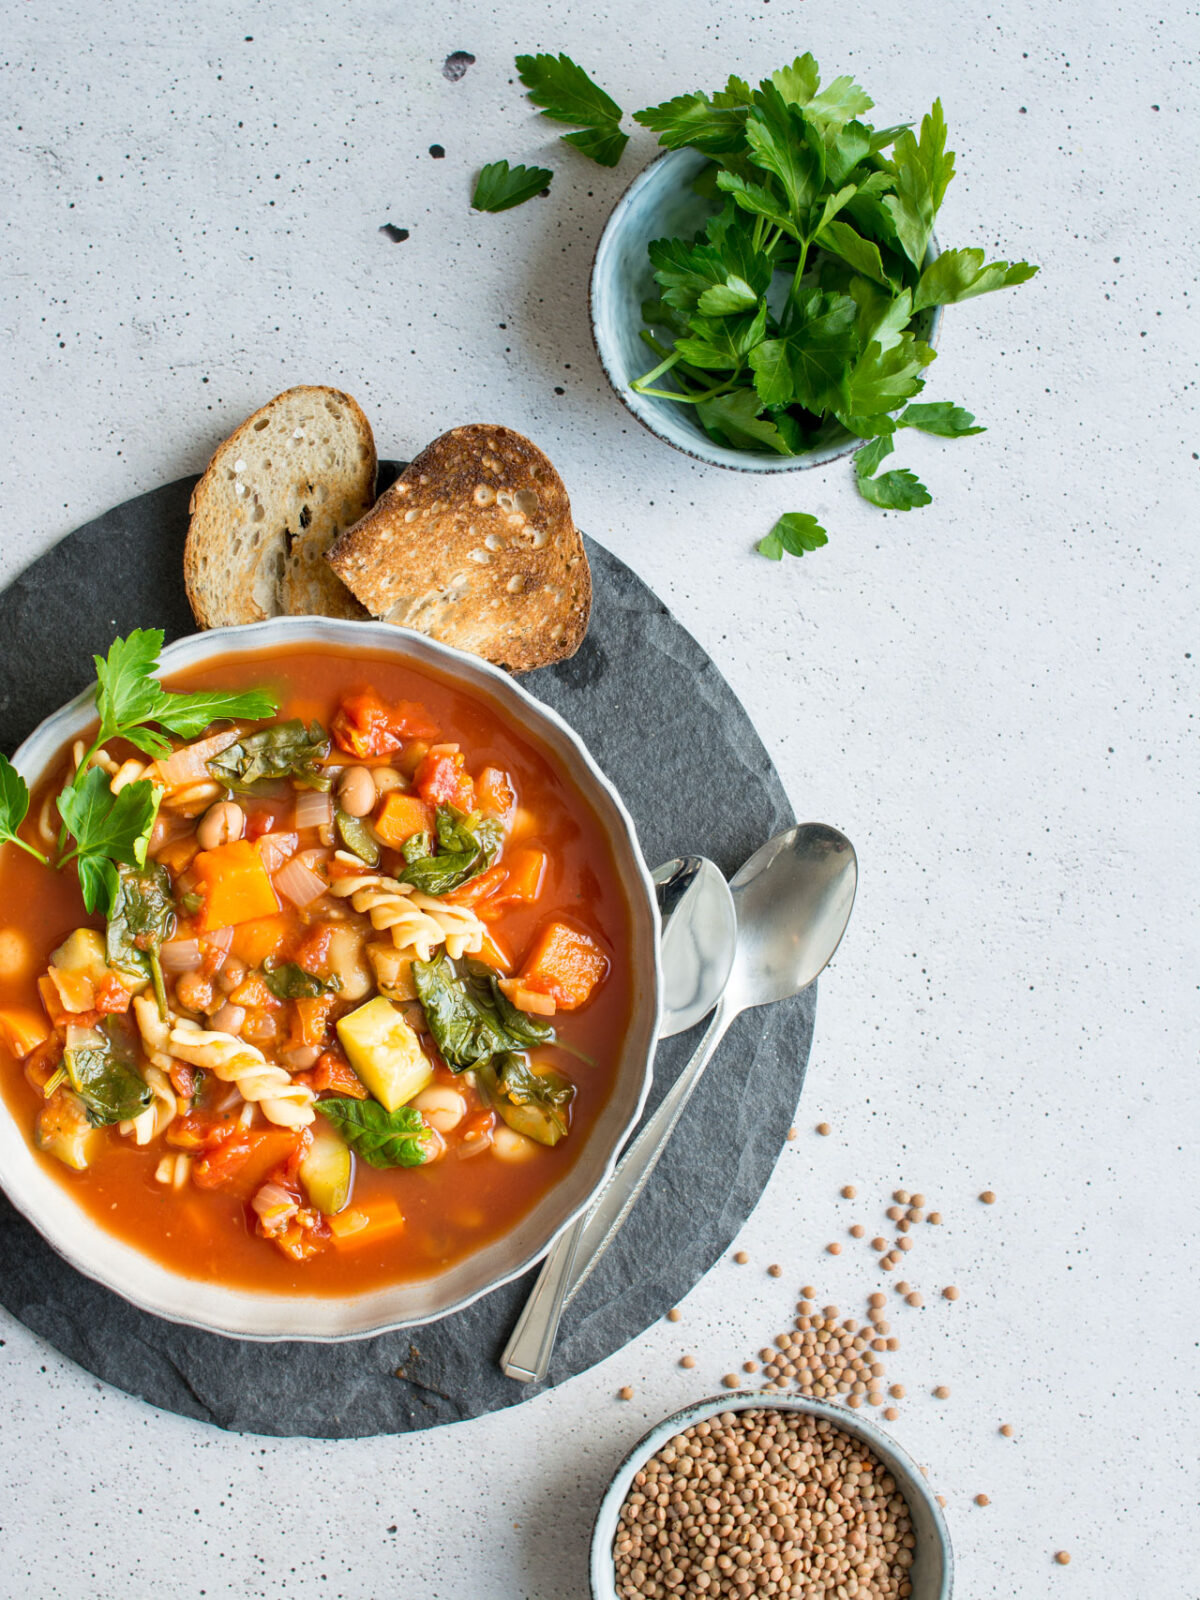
[(111, 830), (799, 307)]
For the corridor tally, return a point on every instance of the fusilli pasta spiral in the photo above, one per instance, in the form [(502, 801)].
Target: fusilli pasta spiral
[(390, 905), (418, 922), (259, 1080), (156, 1037)]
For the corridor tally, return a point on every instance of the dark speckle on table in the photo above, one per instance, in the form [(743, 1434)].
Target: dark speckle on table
[(395, 234), (455, 65)]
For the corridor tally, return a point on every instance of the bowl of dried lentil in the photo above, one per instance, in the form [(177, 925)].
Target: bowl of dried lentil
[(751, 1497)]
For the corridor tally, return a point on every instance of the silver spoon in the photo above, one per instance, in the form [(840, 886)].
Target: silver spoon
[(793, 900), (699, 933)]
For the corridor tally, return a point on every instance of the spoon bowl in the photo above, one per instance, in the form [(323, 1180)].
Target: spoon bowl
[(699, 936), (793, 900)]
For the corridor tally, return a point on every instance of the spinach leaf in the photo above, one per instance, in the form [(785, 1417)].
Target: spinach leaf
[(100, 1067), (416, 847), (519, 1025), (382, 1138), (287, 981), (141, 918), (284, 750), (467, 846), (469, 1017)]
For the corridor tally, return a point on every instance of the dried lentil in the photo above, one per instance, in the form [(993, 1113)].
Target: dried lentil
[(793, 1506)]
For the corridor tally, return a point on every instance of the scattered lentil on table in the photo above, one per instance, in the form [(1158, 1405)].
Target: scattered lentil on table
[(1063, 1557), (824, 1129)]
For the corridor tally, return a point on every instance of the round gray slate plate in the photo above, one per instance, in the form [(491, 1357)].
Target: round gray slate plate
[(668, 730)]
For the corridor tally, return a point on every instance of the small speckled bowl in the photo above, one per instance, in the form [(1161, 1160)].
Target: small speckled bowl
[(932, 1572), (661, 203)]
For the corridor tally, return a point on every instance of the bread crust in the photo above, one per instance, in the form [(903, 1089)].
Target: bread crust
[(474, 545), (274, 497)]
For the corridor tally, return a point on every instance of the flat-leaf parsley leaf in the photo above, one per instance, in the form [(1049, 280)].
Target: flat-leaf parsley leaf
[(499, 187)]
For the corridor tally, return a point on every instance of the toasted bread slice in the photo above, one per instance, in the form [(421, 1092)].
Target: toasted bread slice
[(474, 545), (274, 498)]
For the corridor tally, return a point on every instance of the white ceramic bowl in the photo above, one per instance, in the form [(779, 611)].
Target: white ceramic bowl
[(119, 1266), (932, 1571), (661, 203)]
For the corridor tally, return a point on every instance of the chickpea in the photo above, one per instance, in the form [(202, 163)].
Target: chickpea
[(194, 991), (232, 975), (356, 792), (512, 1146), (442, 1107), (16, 953), (221, 824), (387, 779), (229, 1018)]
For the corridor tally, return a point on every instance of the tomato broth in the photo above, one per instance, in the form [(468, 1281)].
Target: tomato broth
[(452, 1206)]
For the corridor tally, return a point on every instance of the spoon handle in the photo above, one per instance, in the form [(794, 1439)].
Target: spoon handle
[(620, 1194), (527, 1353)]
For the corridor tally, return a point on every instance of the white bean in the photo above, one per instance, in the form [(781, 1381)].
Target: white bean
[(442, 1107)]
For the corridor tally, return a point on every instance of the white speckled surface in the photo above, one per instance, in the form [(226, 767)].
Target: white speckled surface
[(993, 696)]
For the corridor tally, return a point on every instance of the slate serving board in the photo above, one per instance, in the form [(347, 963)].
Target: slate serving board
[(668, 730)]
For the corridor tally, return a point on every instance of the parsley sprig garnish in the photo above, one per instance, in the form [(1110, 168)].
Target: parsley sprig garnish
[(110, 829), (567, 94)]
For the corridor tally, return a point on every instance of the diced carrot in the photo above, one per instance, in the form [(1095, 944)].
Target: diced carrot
[(366, 1222), (402, 816), (178, 854), (312, 1019), (442, 779), (565, 964), (538, 1005), (493, 952), (526, 870), (22, 1030), (256, 942), (495, 792), (235, 885), (477, 889)]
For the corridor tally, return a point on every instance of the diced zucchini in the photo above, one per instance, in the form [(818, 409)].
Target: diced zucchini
[(80, 964), (393, 971), (385, 1052), (326, 1168), (63, 1130), (82, 952)]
